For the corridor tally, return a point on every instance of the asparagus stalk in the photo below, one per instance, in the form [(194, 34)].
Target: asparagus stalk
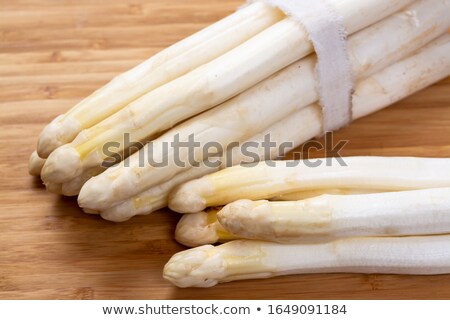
[(120, 183), (35, 164), (302, 195), (197, 229), (207, 265), (380, 90), (263, 181), (206, 87), (160, 69), (328, 217)]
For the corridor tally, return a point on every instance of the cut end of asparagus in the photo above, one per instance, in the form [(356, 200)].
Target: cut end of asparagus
[(198, 267), (63, 165), (187, 198), (57, 133), (194, 230), (243, 216), (35, 164)]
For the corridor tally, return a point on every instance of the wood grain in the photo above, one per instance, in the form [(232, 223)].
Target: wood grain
[(55, 52)]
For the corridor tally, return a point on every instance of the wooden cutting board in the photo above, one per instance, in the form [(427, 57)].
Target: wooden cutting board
[(55, 52)]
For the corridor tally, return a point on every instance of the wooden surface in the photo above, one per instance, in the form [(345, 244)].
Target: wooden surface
[(55, 52)]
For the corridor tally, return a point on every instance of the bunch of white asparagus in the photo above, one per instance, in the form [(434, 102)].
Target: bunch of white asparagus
[(254, 71), (246, 76), (372, 215)]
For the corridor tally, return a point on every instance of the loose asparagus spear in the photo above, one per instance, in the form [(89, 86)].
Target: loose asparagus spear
[(206, 87), (197, 229), (207, 266), (328, 217), (264, 181), (162, 68), (120, 183)]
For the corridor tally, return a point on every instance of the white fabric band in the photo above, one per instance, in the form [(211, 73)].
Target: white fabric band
[(326, 31)]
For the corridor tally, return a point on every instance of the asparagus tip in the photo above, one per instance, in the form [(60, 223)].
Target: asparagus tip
[(198, 267), (186, 199), (243, 216), (193, 230), (62, 165), (119, 213), (60, 131)]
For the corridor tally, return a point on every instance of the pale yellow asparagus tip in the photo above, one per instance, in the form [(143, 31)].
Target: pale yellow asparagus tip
[(236, 216), (207, 265), (186, 194), (35, 164), (55, 134), (182, 268), (62, 162), (193, 230), (197, 229)]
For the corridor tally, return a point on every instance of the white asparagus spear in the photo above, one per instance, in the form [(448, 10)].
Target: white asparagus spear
[(198, 229), (382, 89), (206, 87), (169, 64), (115, 184), (35, 164), (207, 266), (265, 180), (328, 217)]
